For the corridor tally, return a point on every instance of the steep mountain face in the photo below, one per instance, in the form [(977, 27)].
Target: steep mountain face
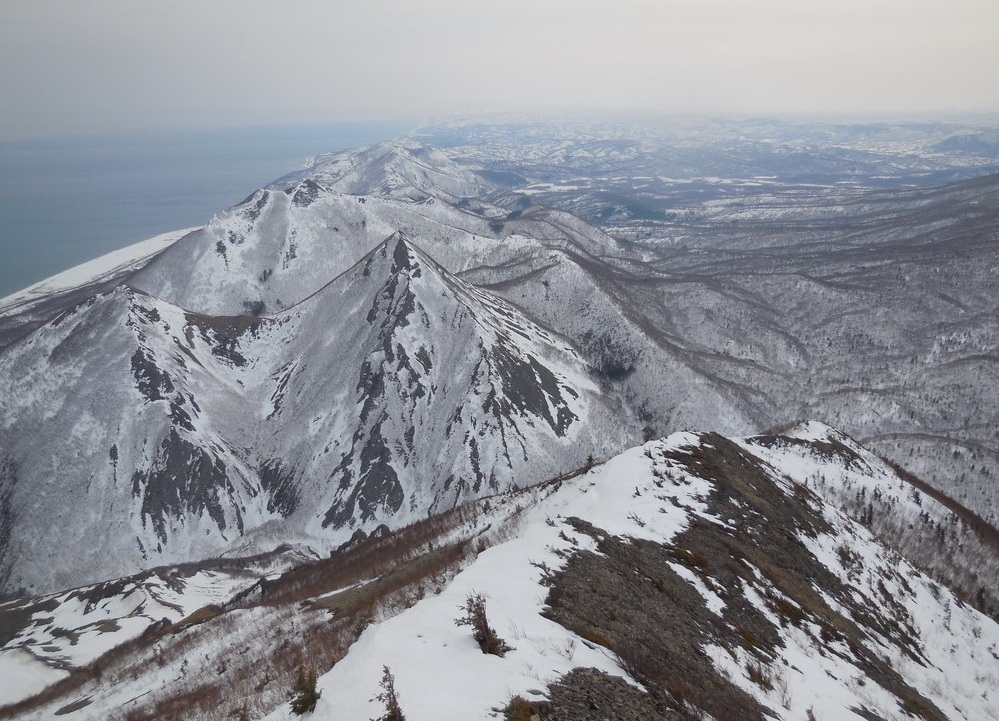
[(449, 393), (694, 575), (394, 391), (115, 438)]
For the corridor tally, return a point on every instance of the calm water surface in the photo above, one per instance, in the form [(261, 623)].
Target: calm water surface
[(65, 201)]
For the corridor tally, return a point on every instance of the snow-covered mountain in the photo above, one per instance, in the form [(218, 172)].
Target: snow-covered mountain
[(384, 385), (394, 391), (693, 575)]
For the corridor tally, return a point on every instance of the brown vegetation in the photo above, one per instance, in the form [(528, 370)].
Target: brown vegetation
[(484, 634)]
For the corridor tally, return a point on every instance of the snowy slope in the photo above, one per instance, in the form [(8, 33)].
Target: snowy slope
[(428, 653)]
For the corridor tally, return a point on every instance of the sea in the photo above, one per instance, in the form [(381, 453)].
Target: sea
[(64, 201)]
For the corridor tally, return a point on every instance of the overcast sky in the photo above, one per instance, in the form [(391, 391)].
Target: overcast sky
[(69, 67)]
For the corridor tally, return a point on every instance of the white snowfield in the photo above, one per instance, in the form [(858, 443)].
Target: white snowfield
[(116, 263)]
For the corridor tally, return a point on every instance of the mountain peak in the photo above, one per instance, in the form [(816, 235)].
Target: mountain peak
[(406, 258), (403, 253)]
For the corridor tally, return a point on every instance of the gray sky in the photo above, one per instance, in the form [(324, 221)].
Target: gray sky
[(70, 66)]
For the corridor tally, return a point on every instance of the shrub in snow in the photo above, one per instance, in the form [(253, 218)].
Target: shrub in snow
[(482, 632), (304, 694), (389, 697)]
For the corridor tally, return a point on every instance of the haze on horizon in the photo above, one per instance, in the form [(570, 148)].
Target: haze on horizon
[(110, 66)]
